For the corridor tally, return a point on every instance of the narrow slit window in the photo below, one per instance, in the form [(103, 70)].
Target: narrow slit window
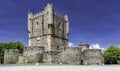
[(59, 26), (37, 24)]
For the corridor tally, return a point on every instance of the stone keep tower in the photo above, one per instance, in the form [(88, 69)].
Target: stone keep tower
[(48, 29)]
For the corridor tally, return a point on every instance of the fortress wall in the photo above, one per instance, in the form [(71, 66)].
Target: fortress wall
[(11, 56), (32, 54), (70, 56), (51, 57), (92, 56)]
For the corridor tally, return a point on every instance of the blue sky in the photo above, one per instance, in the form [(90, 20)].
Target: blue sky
[(91, 21)]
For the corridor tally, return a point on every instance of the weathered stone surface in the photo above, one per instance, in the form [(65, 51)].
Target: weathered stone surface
[(71, 56), (32, 55), (48, 42), (93, 56), (11, 56), (48, 29)]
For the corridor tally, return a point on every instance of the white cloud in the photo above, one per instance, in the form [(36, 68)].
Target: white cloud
[(119, 46), (102, 49), (90, 47), (71, 44), (96, 46)]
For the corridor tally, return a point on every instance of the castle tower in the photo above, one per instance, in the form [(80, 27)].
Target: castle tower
[(48, 29)]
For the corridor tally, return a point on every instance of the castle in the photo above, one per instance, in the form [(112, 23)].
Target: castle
[(48, 42)]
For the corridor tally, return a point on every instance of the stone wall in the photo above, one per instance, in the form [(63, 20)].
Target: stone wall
[(40, 41), (64, 55), (48, 29), (11, 56), (60, 34), (71, 56), (51, 57), (32, 55), (92, 56)]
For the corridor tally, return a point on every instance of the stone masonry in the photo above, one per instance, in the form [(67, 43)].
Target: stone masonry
[(11, 56), (48, 29), (48, 42)]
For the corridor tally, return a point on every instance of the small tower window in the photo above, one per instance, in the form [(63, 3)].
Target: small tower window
[(37, 24), (50, 25), (59, 26)]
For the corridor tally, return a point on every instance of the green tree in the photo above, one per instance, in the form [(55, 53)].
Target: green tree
[(111, 55), (10, 45)]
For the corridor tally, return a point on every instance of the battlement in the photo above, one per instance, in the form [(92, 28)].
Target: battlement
[(32, 16), (47, 9), (93, 50), (11, 51), (58, 15), (11, 56), (39, 14)]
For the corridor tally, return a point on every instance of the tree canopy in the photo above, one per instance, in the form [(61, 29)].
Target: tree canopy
[(112, 55), (10, 45)]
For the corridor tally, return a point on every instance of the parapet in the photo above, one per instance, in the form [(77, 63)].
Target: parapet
[(58, 15), (48, 8), (11, 51), (45, 11), (39, 14), (93, 50)]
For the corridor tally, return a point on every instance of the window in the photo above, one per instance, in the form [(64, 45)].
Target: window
[(50, 25), (59, 26), (37, 24)]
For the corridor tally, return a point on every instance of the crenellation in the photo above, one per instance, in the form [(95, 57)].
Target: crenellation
[(10, 51), (48, 42), (58, 15), (38, 14), (49, 7)]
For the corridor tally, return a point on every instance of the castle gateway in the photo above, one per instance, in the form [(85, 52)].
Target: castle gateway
[(48, 42)]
